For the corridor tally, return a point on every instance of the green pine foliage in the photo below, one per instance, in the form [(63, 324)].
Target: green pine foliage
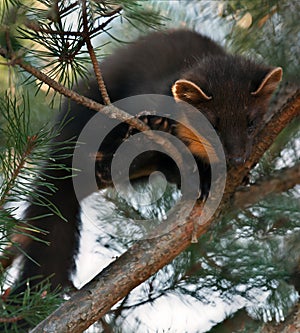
[(247, 254), (260, 27), (22, 153), (50, 42)]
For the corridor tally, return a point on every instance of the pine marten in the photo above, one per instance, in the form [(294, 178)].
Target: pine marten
[(231, 91)]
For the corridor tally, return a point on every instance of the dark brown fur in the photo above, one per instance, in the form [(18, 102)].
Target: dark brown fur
[(233, 93)]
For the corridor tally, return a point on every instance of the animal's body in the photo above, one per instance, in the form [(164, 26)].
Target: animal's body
[(232, 92)]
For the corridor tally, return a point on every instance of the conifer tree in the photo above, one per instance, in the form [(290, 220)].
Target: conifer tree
[(253, 245)]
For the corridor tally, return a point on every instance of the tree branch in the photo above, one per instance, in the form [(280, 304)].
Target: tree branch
[(136, 265), (93, 57), (241, 319), (280, 181), (289, 111), (110, 111), (147, 256)]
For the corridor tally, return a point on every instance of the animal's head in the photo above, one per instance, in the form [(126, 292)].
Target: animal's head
[(233, 93)]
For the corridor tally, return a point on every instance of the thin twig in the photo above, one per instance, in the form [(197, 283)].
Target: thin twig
[(11, 320), (19, 165), (91, 33), (71, 6), (110, 111), (32, 25), (102, 26), (93, 57), (112, 12)]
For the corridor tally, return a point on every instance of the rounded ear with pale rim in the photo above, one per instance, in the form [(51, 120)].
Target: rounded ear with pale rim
[(269, 83), (187, 91)]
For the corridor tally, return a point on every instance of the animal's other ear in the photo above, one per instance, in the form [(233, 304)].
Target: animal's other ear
[(187, 91), (269, 83)]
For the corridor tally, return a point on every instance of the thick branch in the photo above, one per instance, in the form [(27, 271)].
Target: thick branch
[(289, 111), (241, 319), (147, 256), (135, 266), (280, 181)]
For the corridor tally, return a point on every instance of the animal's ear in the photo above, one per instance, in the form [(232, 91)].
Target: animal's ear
[(269, 83), (187, 91)]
